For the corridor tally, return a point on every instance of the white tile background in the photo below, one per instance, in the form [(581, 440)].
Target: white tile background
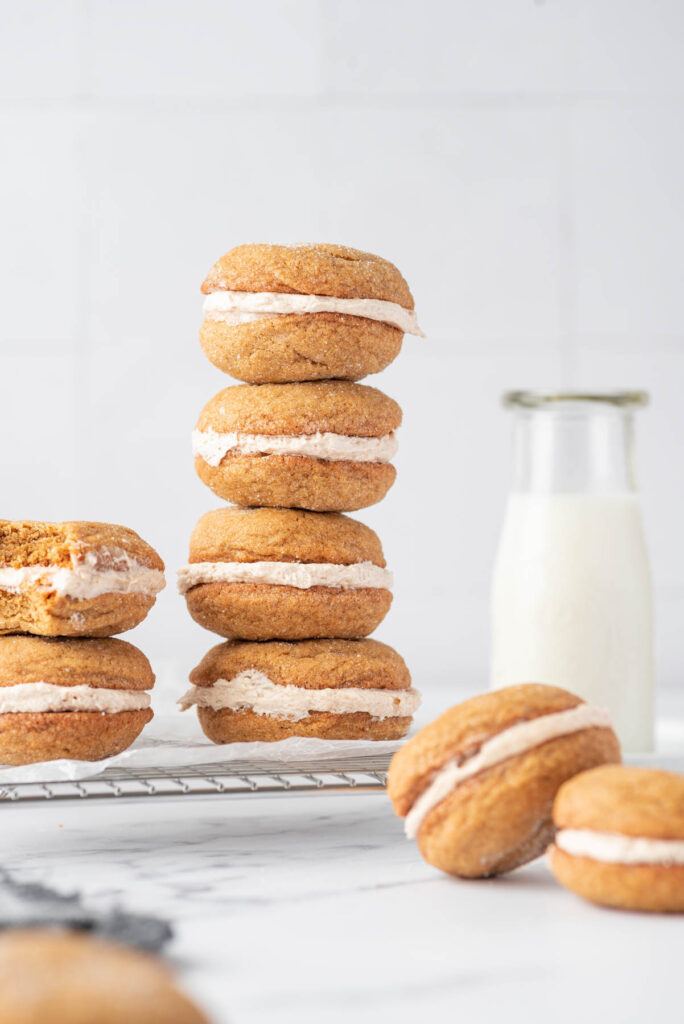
[(521, 162)]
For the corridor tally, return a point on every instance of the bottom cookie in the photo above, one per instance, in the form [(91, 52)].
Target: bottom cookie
[(329, 689), (620, 838), (247, 727), (81, 699)]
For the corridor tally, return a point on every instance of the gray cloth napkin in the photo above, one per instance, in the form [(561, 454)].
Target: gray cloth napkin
[(29, 905)]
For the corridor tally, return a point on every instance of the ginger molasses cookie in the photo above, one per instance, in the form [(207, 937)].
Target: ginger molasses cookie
[(75, 579), (331, 689), (324, 445), (620, 838), (49, 976), (284, 574), (278, 313), (476, 786), (70, 698)]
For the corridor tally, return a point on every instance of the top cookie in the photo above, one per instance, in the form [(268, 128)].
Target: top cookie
[(30, 542), (476, 786), (316, 269), (277, 314), (75, 578), (461, 730)]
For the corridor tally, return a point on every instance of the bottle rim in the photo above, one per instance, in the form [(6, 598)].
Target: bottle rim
[(532, 399)]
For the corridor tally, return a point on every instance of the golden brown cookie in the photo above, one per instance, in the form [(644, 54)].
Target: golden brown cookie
[(284, 574), (324, 445), (330, 689), (70, 698), (49, 976), (477, 785), (75, 579), (620, 838), (279, 313)]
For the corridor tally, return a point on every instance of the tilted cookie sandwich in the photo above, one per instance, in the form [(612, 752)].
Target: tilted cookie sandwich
[(50, 976), (75, 579), (324, 445), (332, 689), (284, 574), (620, 838), (278, 313), (70, 698), (476, 786)]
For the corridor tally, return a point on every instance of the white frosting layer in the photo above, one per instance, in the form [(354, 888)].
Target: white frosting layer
[(245, 307), (509, 743), (38, 697), (253, 690), (612, 848), (101, 571), (286, 574), (212, 446)]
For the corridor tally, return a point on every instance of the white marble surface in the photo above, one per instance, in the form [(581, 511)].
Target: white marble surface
[(303, 909)]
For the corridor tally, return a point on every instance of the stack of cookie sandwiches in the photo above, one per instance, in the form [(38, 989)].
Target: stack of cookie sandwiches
[(293, 583), (67, 689)]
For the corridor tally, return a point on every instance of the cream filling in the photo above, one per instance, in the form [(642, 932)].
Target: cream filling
[(513, 741), (302, 575), (87, 578), (213, 446), (612, 848), (246, 307), (40, 697), (253, 690)]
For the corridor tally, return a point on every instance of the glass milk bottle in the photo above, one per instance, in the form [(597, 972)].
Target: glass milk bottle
[(572, 601)]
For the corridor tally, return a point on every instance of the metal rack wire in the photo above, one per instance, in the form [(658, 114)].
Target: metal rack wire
[(234, 778)]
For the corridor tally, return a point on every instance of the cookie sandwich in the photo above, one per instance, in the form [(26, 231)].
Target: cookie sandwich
[(75, 698), (325, 445), (49, 976), (278, 313), (284, 574), (75, 579), (620, 838), (331, 689), (476, 786)]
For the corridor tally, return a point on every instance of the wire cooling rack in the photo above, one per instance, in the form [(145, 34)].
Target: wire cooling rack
[(365, 774)]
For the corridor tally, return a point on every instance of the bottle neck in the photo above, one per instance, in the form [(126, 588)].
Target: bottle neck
[(573, 451)]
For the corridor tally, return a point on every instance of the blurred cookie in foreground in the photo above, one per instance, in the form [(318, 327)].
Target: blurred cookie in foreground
[(73, 698), (331, 689), (477, 785), (55, 977), (75, 579), (620, 838), (325, 445), (278, 313), (283, 574)]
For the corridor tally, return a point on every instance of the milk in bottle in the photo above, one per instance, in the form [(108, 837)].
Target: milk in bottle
[(571, 601)]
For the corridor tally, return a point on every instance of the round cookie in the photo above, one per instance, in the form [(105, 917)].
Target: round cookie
[(48, 976), (267, 319), (284, 574), (330, 689), (477, 785), (74, 698), (75, 578), (620, 838), (323, 445)]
